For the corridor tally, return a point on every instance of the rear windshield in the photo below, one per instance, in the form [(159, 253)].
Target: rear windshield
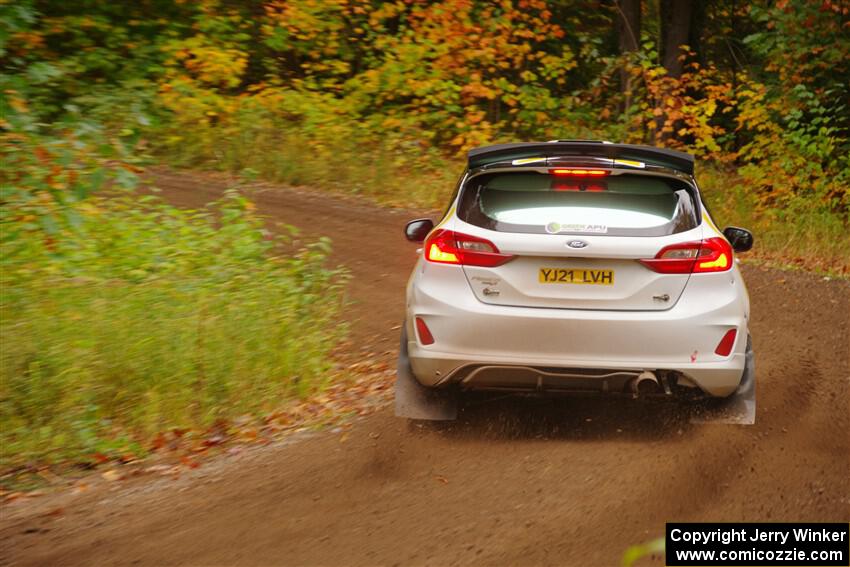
[(539, 203)]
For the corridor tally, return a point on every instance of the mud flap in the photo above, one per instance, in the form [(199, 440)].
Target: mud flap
[(415, 401), (740, 407)]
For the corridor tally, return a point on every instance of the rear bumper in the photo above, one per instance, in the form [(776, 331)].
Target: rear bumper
[(681, 339)]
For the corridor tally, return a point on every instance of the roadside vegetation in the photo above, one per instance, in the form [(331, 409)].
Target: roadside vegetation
[(123, 316), (125, 321)]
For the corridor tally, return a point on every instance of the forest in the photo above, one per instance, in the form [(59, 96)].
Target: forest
[(374, 98)]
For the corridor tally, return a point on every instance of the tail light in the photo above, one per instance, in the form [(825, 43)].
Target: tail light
[(724, 347), (708, 255), (450, 247)]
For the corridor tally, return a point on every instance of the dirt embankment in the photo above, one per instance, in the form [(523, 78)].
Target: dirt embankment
[(513, 482)]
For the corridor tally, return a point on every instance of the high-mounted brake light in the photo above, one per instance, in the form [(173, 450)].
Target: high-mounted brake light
[(450, 247), (708, 255), (581, 172)]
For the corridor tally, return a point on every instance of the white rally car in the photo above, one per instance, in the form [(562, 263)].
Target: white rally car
[(574, 266)]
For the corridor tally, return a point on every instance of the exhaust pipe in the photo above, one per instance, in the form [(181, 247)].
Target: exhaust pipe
[(646, 383)]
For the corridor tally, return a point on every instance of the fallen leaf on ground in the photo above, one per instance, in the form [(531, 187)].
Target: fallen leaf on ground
[(158, 442), (214, 440), (10, 496), (49, 476), (111, 475)]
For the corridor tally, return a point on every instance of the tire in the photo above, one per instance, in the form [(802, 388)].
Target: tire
[(747, 387), (739, 408), (415, 401)]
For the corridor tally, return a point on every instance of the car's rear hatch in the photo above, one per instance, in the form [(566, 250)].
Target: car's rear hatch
[(577, 240)]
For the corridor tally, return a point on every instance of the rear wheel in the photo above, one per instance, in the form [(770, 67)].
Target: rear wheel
[(415, 401), (740, 406), (747, 387)]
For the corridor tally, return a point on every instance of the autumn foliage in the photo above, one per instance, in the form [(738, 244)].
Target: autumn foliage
[(763, 91)]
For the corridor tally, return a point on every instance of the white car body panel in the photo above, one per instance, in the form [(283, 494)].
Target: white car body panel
[(633, 288), (621, 327)]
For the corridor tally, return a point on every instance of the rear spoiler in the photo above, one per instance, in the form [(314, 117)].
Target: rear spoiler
[(680, 161)]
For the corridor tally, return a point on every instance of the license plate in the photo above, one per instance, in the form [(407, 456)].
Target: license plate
[(573, 276)]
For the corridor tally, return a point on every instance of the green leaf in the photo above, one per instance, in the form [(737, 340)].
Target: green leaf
[(635, 552), (48, 223)]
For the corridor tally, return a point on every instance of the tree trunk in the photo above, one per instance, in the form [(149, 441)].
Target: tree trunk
[(628, 33), (628, 24), (675, 31)]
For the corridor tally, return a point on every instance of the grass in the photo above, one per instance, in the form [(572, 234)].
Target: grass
[(151, 318), (797, 235), (391, 170)]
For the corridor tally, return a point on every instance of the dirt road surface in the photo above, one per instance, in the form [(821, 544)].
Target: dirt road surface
[(513, 482)]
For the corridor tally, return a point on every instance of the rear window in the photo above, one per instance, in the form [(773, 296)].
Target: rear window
[(539, 203)]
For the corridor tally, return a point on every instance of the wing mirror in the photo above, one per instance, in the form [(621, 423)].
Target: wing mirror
[(417, 230), (741, 239)]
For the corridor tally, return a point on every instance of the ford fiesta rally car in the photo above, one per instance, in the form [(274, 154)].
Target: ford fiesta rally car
[(574, 267)]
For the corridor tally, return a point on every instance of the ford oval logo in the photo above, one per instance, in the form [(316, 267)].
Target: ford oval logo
[(577, 244)]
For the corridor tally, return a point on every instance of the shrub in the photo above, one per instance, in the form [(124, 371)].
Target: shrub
[(145, 317)]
